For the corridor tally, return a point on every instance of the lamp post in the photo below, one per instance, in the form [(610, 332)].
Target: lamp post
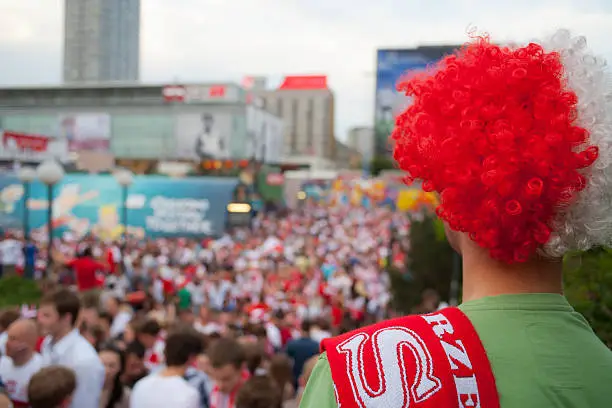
[(50, 172), (125, 178), (26, 175)]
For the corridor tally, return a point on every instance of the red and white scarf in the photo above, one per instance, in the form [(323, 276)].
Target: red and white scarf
[(428, 361), (219, 399)]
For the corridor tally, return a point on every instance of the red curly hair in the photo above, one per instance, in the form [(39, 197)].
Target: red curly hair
[(493, 130)]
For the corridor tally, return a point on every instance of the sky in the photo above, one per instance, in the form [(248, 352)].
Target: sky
[(223, 40)]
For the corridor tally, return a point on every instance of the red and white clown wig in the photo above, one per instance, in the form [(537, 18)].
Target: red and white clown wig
[(517, 141)]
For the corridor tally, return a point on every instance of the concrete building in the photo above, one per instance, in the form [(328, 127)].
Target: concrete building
[(347, 157), (306, 105), (190, 122), (362, 139), (101, 40)]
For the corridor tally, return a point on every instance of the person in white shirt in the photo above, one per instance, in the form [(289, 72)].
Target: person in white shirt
[(21, 361), (11, 252), (121, 315), (64, 345), (168, 388)]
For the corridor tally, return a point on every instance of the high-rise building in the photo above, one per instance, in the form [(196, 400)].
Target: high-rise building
[(101, 40), (362, 140), (306, 105)]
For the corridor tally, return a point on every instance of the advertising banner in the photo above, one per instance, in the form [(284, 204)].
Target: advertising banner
[(391, 66), (372, 193), (86, 131), (157, 206), (31, 147), (200, 93), (304, 82), (203, 135)]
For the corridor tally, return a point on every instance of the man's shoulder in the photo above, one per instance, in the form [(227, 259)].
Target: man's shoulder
[(404, 321), (82, 353), (37, 360), (5, 363), (143, 383), (154, 382)]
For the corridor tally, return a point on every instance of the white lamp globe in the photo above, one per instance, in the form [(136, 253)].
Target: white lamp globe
[(50, 172), (124, 177), (26, 174)]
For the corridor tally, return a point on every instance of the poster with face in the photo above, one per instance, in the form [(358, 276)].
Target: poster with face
[(203, 136)]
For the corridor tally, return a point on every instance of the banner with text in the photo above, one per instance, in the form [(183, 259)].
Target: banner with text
[(157, 206)]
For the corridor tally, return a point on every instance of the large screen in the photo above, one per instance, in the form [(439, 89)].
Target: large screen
[(391, 66)]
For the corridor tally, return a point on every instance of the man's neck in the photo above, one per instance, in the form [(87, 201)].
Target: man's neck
[(22, 359), (483, 277), (61, 334), (173, 371)]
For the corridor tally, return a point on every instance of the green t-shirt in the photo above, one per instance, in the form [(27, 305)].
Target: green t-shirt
[(184, 297), (542, 352)]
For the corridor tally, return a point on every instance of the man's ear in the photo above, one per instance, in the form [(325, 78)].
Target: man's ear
[(67, 402), (68, 319)]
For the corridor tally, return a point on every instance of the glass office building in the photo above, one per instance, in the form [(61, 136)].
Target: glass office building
[(203, 121)]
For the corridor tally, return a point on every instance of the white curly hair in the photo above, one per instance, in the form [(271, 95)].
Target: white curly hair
[(587, 222)]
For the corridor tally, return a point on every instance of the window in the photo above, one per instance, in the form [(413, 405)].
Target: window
[(310, 123), (294, 124)]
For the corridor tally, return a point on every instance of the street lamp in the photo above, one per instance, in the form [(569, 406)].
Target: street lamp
[(50, 172), (26, 175), (125, 178)]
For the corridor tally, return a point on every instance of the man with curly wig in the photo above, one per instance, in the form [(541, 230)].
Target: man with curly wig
[(517, 143)]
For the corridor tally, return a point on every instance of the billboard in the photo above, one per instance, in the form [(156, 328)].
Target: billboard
[(304, 83), (200, 93), (85, 131), (157, 206), (391, 66), (203, 135), (31, 147), (265, 135)]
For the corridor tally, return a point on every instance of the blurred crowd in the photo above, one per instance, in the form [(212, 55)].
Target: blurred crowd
[(234, 321)]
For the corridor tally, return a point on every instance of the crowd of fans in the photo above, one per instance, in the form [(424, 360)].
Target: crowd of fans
[(229, 322)]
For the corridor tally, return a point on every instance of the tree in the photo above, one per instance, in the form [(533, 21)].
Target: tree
[(380, 163), (588, 287)]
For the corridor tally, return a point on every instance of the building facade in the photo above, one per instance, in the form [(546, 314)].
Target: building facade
[(347, 157), (306, 105), (191, 122), (101, 40), (361, 139)]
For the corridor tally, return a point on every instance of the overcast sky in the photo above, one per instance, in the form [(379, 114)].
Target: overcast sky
[(208, 40)]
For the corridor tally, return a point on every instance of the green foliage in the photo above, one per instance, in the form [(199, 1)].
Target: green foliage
[(15, 291), (430, 264), (380, 163), (588, 287)]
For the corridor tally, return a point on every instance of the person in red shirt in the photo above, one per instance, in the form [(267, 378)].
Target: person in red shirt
[(85, 268)]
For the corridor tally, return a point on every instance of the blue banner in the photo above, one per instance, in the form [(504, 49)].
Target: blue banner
[(157, 206)]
